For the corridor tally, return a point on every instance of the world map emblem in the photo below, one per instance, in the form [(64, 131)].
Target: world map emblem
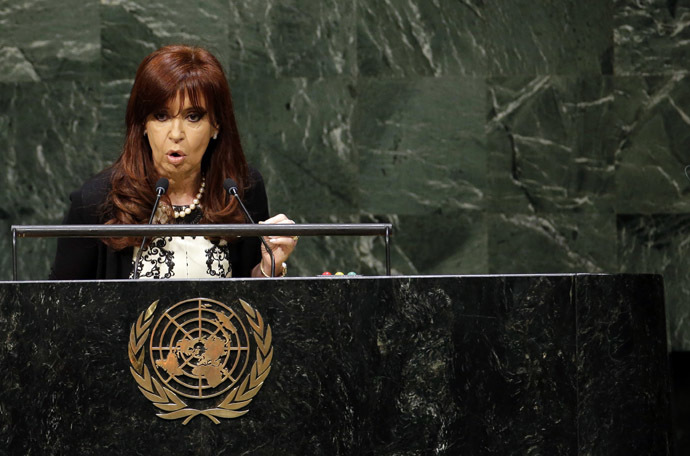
[(200, 351)]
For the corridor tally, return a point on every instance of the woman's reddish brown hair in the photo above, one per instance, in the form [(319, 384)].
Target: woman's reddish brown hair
[(170, 71)]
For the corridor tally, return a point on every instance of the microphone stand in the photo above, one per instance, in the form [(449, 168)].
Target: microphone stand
[(231, 188), (161, 188)]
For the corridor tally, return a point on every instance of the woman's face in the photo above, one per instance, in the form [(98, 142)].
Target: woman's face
[(179, 138)]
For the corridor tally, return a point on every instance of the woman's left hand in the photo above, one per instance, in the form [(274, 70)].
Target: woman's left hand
[(282, 246)]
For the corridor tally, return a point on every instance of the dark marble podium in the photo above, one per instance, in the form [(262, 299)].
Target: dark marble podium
[(550, 365)]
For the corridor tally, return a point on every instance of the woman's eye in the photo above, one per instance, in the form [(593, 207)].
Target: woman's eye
[(194, 117), (161, 116)]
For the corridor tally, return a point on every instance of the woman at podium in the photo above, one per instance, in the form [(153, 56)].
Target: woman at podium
[(180, 126)]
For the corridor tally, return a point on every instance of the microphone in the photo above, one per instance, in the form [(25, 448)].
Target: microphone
[(230, 186), (161, 188)]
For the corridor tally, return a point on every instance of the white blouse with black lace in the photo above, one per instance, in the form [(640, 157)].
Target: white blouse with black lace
[(187, 257)]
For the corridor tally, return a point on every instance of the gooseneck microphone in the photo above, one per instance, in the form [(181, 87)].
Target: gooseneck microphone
[(161, 188), (230, 186)]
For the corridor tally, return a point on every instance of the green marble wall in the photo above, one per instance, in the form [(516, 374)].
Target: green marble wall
[(497, 136)]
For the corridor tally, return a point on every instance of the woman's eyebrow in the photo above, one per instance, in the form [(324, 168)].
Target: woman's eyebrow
[(197, 109)]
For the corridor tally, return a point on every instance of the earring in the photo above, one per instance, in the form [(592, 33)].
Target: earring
[(215, 135)]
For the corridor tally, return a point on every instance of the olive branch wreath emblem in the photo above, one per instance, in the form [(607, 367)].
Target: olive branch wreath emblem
[(170, 403)]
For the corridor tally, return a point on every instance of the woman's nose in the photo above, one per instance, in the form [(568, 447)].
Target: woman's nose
[(176, 129)]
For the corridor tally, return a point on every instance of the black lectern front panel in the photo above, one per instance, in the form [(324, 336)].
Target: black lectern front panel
[(562, 364)]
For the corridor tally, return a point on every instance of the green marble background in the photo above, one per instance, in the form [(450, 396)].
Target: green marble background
[(497, 136)]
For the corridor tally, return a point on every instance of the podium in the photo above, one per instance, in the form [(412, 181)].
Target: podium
[(554, 364)]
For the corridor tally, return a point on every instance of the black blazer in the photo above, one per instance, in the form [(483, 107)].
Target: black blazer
[(91, 259)]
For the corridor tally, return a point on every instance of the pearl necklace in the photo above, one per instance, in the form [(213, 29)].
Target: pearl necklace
[(195, 202)]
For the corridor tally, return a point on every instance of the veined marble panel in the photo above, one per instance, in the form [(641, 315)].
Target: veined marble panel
[(566, 241), (518, 337), (364, 255), (292, 38), (567, 37), (446, 242), (454, 242), (651, 36), (421, 37), (660, 243), (44, 40), (48, 136), (34, 256), (549, 144), (541, 365), (421, 144), (50, 141), (608, 322), (111, 128), (297, 132), (449, 243), (652, 121), (131, 30)]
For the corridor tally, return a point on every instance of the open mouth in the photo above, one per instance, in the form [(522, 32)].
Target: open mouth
[(175, 157)]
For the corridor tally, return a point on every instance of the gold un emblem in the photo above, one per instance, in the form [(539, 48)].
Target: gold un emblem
[(199, 351)]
